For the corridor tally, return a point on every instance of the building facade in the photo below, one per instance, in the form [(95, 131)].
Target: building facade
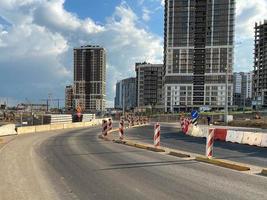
[(198, 53), (118, 96), (69, 98), (90, 78), (126, 94), (148, 85), (260, 64), (242, 88)]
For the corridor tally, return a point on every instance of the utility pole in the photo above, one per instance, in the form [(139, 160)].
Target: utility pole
[(226, 97)]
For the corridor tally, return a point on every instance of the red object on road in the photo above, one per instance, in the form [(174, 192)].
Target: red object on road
[(109, 124), (104, 128), (121, 129), (157, 135), (185, 125), (210, 142), (220, 134)]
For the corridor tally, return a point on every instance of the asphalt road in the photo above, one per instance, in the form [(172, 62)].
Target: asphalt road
[(172, 137), (77, 164)]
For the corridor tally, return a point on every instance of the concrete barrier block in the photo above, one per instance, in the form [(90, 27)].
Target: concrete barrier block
[(86, 124), (8, 129), (68, 125), (26, 129), (42, 128), (56, 126), (78, 124)]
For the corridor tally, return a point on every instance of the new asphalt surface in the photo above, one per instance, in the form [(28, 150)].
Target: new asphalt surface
[(76, 164)]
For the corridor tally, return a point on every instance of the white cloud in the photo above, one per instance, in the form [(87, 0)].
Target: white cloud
[(248, 12), (38, 46), (146, 14)]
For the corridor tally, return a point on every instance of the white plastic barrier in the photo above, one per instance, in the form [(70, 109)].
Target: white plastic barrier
[(204, 131), (197, 132), (234, 136), (190, 129), (252, 138), (264, 140), (8, 129)]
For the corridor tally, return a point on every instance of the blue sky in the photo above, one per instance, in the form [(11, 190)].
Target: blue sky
[(37, 38)]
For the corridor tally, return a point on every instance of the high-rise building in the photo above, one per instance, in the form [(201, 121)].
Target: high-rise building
[(148, 85), (198, 53), (126, 94), (242, 88), (118, 96), (69, 98), (90, 78), (260, 64)]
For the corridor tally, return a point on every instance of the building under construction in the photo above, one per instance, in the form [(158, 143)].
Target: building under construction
[(90, 78), (260, 65), (69, 98)]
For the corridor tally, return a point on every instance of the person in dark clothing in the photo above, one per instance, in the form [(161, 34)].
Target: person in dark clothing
[(209, 119)]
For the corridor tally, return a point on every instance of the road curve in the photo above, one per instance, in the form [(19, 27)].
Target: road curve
[(77, 165)]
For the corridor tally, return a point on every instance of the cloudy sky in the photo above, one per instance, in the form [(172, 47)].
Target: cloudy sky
[(37, 38)]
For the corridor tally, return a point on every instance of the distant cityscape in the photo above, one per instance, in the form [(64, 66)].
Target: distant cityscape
[(197, 70)]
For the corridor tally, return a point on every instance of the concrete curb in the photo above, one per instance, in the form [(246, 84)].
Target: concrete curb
[(155, 149), (140, 146), (264, 172), (222, 163), (177, 154), (137, 145), (1, 141)]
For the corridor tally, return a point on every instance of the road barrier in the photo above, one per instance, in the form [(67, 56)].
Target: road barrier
[(252, 138), (234, 136), (185, 123), (8, 129), (220, 134), (57, 119), (196, 131), (88, 117), (157, 135), (104, 127), (209, 143), (264, 140), (121, 129), (109, 124), (43, 128)]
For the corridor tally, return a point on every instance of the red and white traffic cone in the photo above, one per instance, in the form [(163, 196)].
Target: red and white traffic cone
[(210, 142), (157, 135), (104, 128), (110, 124), (121, 129)]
